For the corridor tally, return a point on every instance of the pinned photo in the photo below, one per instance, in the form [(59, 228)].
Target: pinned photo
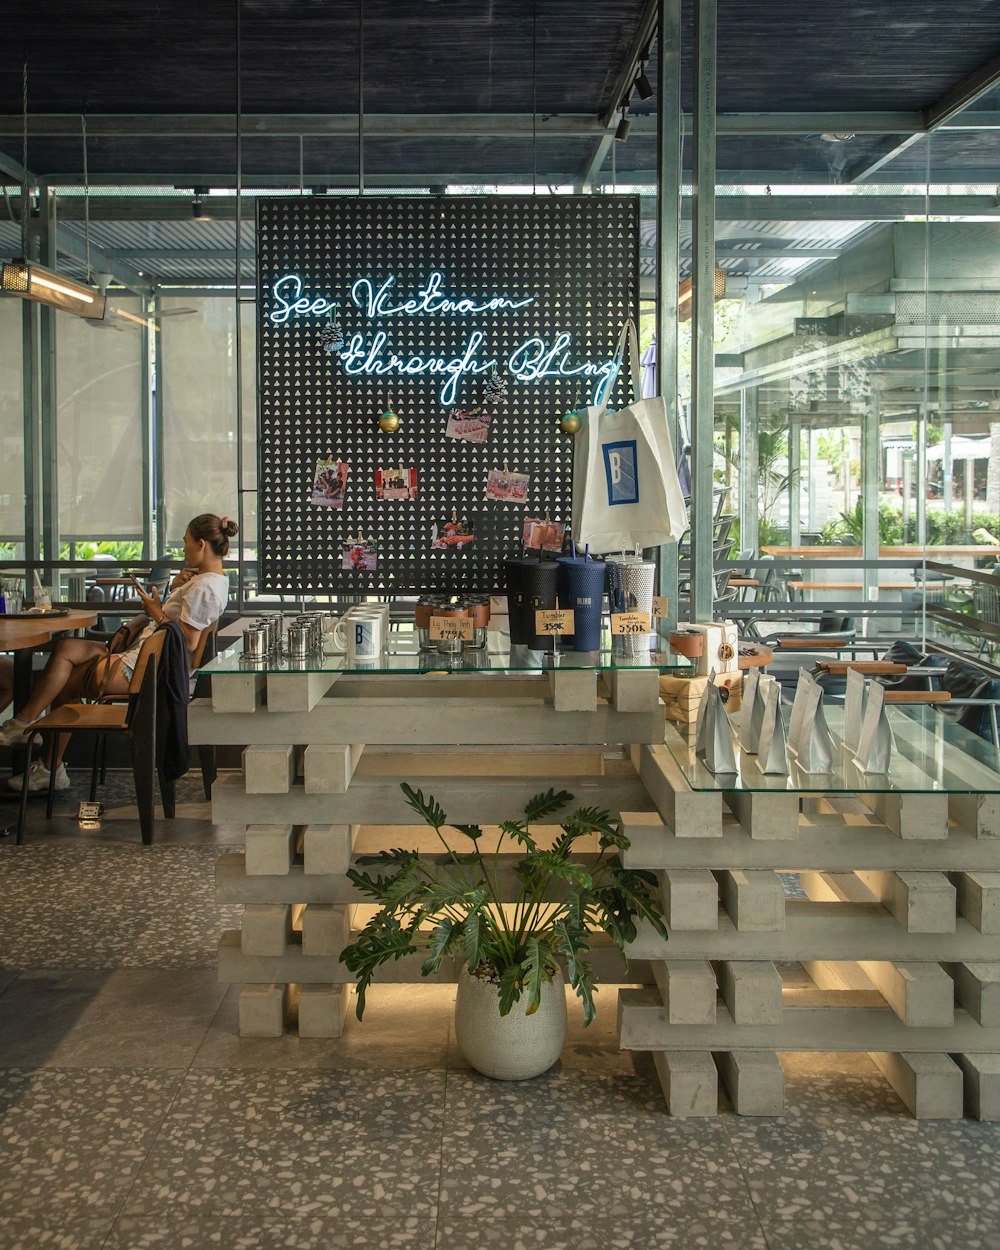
[(398, 483), (454, 534), (329, 483), (506, 486), (543, 535), (471, 424), (360, 556)]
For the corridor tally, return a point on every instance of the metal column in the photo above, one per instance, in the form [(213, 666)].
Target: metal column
[(31, 403), (870, 455), (145, 427), (47, 385), (749, 472), (670, 139), (794, 481), (703, 319)]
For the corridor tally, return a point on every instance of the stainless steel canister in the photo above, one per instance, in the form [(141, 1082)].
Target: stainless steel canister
[(630, 589), (298, 640), (255, 643)]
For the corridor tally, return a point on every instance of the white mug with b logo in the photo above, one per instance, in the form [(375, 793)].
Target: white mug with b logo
[(361, 635)]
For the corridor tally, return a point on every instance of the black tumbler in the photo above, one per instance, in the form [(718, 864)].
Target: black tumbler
[(581, 590), (531, 588)]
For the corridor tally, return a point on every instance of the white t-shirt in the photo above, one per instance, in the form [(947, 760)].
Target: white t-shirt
[(198, 604)]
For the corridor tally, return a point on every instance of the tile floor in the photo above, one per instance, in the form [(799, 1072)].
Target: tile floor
[(132, 1115)]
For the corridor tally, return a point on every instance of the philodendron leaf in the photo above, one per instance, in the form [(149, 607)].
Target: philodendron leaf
[(531, 967), (471, 938), (545, 804), (510, 987), (429, 810), (543, 865), (470, 831), (517, 830), (442, 937), (380, 940)]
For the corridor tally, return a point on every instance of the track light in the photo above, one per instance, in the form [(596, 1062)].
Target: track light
[(642, 85), (198, 210), (45, 286), (625, 125)]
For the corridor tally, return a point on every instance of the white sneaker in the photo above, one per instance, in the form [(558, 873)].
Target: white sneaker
[(38, 779), (14, 733)]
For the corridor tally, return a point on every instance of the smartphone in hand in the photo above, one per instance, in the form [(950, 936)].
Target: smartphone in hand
[(138, 585)]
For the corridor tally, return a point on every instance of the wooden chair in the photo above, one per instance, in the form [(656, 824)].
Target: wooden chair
[(140, 719), (204, 652)]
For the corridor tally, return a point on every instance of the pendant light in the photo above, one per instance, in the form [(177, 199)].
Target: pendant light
[(30, 280)]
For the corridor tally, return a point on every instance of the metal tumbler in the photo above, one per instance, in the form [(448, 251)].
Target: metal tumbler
[(531, 587), (581, 590), (255, 643), (630, 589), (298, 640)]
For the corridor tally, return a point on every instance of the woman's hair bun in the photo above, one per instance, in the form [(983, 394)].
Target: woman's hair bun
[(231, 529)]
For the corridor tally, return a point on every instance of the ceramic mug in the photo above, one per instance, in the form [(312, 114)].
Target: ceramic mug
[(360, 635)]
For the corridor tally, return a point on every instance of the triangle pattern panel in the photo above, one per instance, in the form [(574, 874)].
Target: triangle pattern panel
[(574, 257)]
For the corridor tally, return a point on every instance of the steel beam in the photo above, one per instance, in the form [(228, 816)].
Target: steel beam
[(147, 369), (871, 449), (703, 313), (963, 93), (668, 223), (460, 125), (72, 243)]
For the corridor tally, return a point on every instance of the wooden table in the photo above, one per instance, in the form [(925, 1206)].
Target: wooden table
[(24, 636), (900, 553)]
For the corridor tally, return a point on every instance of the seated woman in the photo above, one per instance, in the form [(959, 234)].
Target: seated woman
[(78, 667)]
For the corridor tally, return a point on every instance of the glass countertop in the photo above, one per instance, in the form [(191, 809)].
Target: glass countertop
[(403, 656), (932, 755)]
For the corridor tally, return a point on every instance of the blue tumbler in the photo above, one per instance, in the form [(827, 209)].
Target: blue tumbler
[(581, 589)]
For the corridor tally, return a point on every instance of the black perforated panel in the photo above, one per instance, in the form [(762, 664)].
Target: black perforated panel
[(574, 258)]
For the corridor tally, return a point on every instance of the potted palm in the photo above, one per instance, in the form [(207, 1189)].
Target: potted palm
[(510, 941)]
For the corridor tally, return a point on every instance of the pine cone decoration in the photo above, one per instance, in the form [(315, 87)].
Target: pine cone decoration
[(495, 390), (332, 336)]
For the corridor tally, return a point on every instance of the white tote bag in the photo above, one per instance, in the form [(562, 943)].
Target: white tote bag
[(626, 492)]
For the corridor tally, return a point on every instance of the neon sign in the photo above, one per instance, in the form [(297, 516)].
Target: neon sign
[(531, 361), (359, 358), (428, 299), (291, 284)]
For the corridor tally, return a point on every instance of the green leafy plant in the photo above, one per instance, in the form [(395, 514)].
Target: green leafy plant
[(452, 905)]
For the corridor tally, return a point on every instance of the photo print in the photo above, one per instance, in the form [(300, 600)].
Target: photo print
[(398, 483), (329, 483), (509, 487), (539, 535), (455, 533), (360, 556), (470, 424)]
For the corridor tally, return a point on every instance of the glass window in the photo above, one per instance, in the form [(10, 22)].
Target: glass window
[(11, 423), (99, 427), (197, 371)]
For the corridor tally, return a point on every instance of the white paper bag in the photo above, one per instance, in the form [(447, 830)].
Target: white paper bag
[(626, 492)]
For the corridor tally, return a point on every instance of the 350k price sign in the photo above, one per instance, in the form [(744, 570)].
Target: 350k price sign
[(623, 623), (554, 621)]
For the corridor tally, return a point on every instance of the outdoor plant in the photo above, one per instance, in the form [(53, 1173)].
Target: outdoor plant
[(451, 904)]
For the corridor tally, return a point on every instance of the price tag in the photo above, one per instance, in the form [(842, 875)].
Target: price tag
[(630, 622), (554, 621), (661, 606), (450, 628)]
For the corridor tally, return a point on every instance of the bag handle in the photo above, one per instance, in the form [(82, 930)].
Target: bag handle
[(628, 340)]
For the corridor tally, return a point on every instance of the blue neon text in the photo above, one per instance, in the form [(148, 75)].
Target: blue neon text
[(290, 300), (359, 358), (428, 299)]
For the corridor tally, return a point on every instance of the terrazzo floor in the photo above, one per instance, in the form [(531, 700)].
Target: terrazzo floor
[(132, 1115)]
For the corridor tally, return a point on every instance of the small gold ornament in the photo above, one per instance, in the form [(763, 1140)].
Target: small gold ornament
[(389, 421), (570, 423)]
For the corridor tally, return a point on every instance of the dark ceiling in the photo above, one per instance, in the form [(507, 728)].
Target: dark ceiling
[(460, 57)]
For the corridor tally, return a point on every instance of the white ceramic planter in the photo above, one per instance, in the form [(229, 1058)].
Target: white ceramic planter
[(514, 1047)]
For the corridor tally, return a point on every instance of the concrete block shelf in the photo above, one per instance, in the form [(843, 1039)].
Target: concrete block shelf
[(890, 946)]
